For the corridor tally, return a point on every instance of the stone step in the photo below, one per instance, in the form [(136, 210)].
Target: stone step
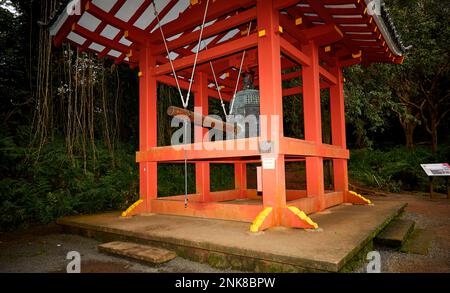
[(146, 253), (419, 242), (396, 233)]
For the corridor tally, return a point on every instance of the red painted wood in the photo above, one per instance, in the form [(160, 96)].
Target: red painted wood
[(337, 108), (312, 121), (271, 104), (268, 54), (147, 127), (202, 169)]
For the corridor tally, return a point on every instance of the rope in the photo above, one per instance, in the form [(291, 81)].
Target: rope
[(218, 89), (185, 102), (237, 81), (168, 53), (240, 72), (198, 51)]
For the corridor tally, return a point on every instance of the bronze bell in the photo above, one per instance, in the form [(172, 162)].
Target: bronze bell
[(246, 108)]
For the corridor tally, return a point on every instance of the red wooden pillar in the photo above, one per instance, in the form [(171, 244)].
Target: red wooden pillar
[(202, 170), (147, 126), (313, 122), (269, 59), (338, 129)]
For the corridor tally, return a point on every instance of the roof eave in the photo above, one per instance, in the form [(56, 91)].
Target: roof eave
[(386, 29)]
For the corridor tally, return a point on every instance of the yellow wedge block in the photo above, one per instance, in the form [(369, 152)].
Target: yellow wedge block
[(259, 220), (303, 216), (361, 197), (131, 208)]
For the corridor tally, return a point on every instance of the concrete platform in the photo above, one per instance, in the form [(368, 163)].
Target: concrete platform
[(346, 233)]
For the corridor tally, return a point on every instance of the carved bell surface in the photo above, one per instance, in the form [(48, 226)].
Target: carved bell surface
[(246, 108)]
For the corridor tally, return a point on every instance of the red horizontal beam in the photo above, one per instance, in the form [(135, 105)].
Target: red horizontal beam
[(328, 76), (218, 149), (324, 34), (298, 147), (133, 34), (298, 89), (295, 54), (99, 39), (309, 204), (350, 62), (298, 56), (292, 91), (214, 196), (193, 16), (210, 210), (169, 80), (210, 54), (212, 30)]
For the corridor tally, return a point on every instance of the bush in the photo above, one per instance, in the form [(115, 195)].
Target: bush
[(395, 169), (39, 189)]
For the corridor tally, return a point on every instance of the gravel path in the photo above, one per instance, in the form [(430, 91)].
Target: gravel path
[(429, 214), (28, 253)]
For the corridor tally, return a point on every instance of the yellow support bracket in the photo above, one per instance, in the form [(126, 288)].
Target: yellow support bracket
[(361, 197), (131, 208), (303, 216), (259, 220)]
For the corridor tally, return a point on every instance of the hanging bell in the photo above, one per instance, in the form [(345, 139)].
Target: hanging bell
[(246, 108)]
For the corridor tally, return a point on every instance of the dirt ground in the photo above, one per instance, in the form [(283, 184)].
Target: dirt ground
[(44, 249)]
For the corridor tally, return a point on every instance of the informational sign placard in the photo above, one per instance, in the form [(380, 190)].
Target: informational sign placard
[(434, 170), (268, 163)]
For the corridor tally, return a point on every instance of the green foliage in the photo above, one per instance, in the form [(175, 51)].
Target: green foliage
[(395, 169), (222, 177), (171, 179), (38, 190), (367, 102), (414, 93)]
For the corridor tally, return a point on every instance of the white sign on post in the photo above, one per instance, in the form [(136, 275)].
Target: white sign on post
[(268, 163), (434, 170)]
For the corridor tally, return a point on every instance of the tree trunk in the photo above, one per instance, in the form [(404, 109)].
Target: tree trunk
[(434, 137), (409, 134)]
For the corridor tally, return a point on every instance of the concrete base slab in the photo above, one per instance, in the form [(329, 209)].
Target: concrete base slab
[(146, 253), (396, 233), (346, 231)]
